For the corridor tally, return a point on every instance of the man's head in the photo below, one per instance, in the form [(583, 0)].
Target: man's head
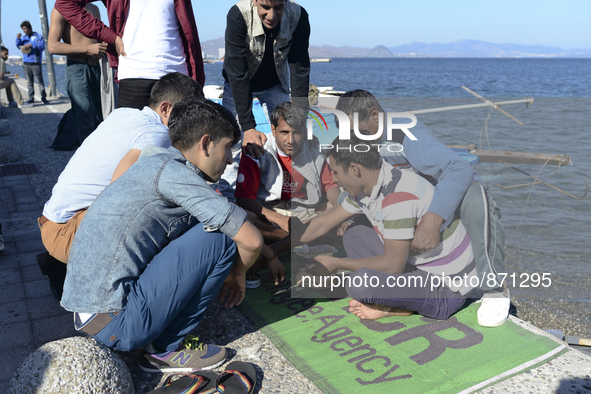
[(288, 123), (350, 160), (171, 89), (204, 132), (365, 105), (4, 53), (270, 11), (27, 29)]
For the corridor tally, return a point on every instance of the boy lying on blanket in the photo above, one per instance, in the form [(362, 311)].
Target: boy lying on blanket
[(389, 278)]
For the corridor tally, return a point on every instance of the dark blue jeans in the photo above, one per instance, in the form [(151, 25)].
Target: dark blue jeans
[(169, 298), (33, 72), (84, 88)]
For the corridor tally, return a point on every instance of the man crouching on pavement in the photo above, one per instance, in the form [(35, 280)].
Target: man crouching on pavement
[(159, 243)]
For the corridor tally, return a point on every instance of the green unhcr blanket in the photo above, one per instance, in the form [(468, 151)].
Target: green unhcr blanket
[(341, 353)]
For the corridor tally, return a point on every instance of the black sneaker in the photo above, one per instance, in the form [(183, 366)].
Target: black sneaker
[(45, 101), (191, 356), (30, 101), (55, 271)]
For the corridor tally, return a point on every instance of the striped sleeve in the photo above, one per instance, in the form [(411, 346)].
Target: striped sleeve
[(351, 206)]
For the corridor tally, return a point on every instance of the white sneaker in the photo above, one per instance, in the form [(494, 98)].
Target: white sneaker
[(494, 309)]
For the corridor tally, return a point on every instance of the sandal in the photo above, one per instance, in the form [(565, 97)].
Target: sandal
[(189, 383), (239, 377)]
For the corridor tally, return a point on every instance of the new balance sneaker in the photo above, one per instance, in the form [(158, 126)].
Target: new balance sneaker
[(25, 104), (494, 308), (191, 356)]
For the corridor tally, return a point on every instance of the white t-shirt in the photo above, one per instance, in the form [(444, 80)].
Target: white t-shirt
[(152, 41), (91, 168)]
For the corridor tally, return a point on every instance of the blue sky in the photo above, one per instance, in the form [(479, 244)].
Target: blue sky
[(563, 24)]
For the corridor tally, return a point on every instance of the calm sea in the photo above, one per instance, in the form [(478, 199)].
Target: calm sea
[(547, 231)]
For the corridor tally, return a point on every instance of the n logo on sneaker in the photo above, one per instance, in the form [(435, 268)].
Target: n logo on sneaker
[(181, 358)]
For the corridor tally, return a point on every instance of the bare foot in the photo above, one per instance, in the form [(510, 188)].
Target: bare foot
[(374, 312)]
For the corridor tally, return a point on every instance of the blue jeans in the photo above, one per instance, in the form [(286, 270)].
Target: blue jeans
[(269, 99), (33, 72), (169, 298), (83, 85)]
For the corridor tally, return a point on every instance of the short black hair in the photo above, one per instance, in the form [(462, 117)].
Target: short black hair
[(174, 87), (360, 101), (26, 23), (292, 114), (354, 150), (192, 118), (273, 2), (3, 48)]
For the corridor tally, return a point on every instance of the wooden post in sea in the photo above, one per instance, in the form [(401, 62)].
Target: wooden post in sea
[(48, 56)]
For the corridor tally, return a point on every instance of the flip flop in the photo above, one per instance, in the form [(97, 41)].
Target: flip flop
[(238, 378), (189, 383)]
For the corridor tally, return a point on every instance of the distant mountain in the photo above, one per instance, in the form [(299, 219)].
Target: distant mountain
[(379, 51), (473, 48), (211, 47), (461, 48), (330, 51)]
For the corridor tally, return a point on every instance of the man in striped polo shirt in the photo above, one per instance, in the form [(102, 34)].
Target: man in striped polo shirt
[(388, 278)]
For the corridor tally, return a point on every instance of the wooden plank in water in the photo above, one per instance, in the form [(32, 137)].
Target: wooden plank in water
[(492, 156)]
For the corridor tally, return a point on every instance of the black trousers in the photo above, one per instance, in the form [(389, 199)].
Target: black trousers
[(135, 92)]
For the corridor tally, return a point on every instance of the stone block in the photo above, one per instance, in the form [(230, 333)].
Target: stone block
[(72, 365)]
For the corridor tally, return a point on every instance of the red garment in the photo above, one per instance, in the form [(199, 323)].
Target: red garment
[(293, 181), (73, 11), (249, 179)]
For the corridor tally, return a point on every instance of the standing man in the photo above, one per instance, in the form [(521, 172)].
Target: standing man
[(148, 39), (83, 72), (266, 48), (32, 45), (13, 93)]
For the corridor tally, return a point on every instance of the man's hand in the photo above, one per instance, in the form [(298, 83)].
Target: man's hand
[(285, 224), (233, 290), (324, 265), (253, 143), (427, 233), (277, 270), (96, 50), (119, 47), (342, 228), (18, 35), (29, 45)]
